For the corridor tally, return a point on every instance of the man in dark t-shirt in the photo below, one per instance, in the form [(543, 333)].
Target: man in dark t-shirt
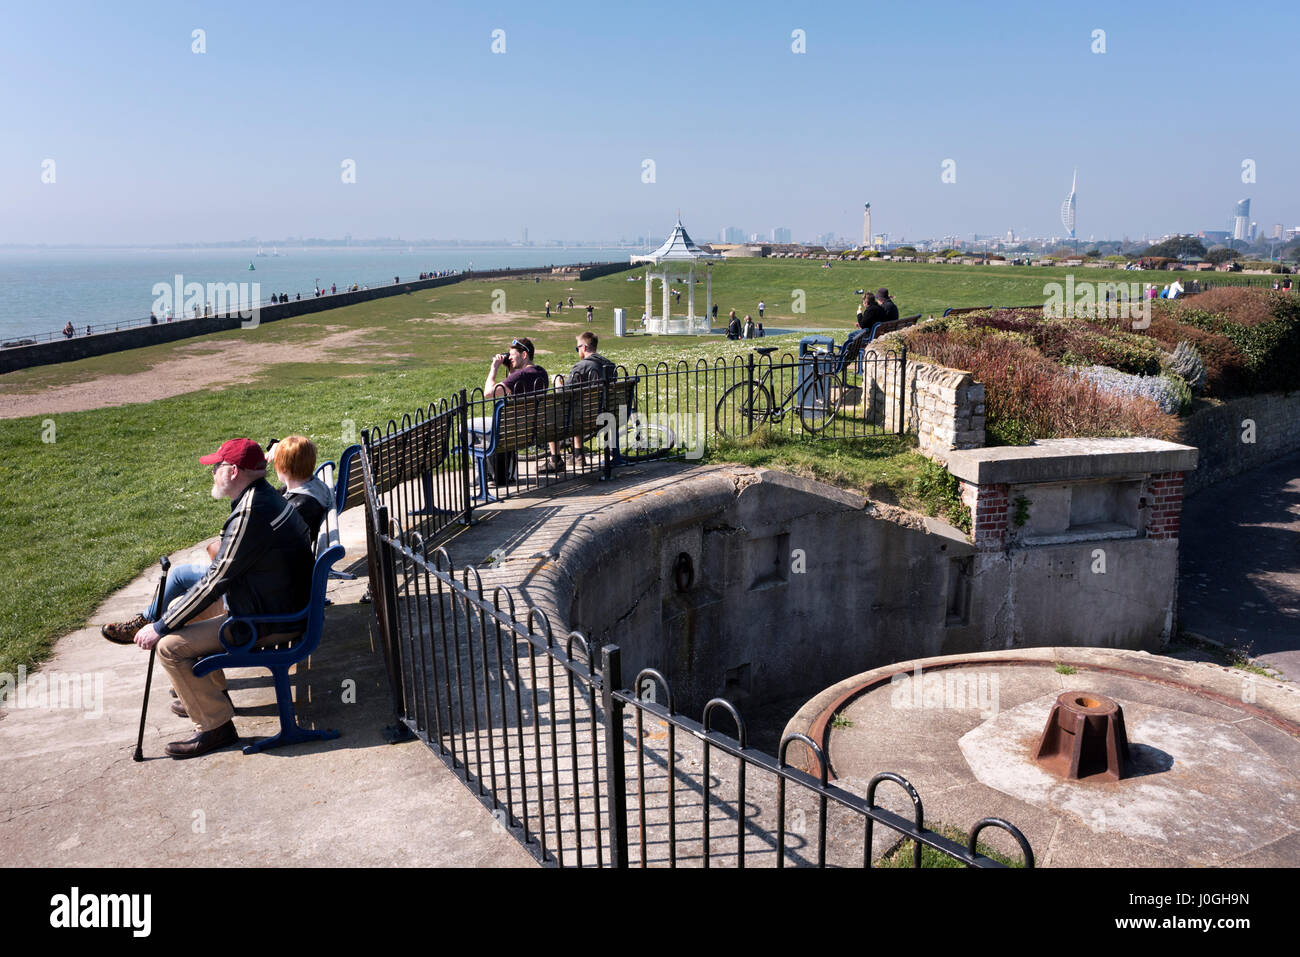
[(523, 377)]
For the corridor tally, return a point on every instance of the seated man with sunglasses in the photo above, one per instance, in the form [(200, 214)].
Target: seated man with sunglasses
[(590, 368), (263, 567)]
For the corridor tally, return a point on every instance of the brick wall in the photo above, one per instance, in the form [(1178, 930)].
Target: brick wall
[(1164, 493), (988, 514)]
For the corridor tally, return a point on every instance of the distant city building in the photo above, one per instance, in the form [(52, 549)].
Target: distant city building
[(866, 224), (1254, 230), (525, 234), (1241, 220), (1068, 208), (880, 239), (1276, 231), (780, 234), (1214, 235), (1011, 236), (733, 234)]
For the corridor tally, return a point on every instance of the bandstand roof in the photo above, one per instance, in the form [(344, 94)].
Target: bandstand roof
[(679, 247)]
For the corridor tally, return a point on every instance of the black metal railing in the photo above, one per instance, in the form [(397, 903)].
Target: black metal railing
[(537, 728), (432, 468)]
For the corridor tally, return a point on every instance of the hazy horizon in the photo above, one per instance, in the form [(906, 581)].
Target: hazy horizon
[(950, 119)]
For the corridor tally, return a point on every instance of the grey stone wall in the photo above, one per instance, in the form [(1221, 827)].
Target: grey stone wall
[(794, 585), (942, 407), (1228, 443)]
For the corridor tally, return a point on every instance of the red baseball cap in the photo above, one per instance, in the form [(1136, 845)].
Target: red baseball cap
[(241, 453)]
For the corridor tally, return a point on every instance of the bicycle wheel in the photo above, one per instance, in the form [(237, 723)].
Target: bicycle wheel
[(741, 408), (646, 438), (819, 401)]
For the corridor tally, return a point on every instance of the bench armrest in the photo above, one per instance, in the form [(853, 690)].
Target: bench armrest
[(492, 432), (232, 646)]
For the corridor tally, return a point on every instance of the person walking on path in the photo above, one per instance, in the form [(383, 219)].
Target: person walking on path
[(548, 308), (589, 316), (761, 307)]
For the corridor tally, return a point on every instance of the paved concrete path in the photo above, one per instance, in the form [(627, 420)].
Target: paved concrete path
[(1240, 571), (70, 795)]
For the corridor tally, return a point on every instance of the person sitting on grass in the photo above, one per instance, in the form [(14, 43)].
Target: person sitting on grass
[(263, 567), (590, 368), (294, 459)]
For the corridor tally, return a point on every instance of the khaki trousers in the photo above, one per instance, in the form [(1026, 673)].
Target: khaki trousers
[(202, 697)]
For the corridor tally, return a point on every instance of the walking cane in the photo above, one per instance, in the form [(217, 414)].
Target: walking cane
[(148, 678)]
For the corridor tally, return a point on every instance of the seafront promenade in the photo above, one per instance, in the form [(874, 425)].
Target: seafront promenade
[(101, 339)]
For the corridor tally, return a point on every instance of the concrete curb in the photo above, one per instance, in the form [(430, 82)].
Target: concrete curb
[(1277, 702)]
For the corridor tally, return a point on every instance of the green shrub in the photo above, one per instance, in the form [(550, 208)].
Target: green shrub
[(1179, 385), (1269, 344), (940, 491)]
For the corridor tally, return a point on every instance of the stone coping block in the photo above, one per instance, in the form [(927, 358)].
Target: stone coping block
[(1069, 460)]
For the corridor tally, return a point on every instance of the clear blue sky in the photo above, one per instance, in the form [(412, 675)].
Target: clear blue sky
[(154, 143)]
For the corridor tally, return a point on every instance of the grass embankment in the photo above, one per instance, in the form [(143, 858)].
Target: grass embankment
[(89, 499)]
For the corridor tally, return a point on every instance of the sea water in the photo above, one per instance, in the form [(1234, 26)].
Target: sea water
[(42, 288)]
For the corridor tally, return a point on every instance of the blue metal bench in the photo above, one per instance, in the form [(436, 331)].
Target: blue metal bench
[(238, 635)]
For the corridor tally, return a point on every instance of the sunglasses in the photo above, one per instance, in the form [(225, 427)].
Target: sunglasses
[(516, 344)]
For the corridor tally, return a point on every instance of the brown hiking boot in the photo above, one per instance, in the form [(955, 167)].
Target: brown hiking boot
[(123, 632)]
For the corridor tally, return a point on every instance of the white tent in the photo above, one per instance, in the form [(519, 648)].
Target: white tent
[(678, 251)]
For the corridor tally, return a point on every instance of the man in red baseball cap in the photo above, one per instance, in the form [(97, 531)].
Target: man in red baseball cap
[(262, 567)]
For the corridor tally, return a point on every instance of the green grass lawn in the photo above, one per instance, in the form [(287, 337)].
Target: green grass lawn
[(85, 513)]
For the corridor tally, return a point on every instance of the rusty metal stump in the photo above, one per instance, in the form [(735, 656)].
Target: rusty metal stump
[(1084, 736)]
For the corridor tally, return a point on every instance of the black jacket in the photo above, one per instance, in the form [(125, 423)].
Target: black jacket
[(263, 567), (891, 310), (594, 368)]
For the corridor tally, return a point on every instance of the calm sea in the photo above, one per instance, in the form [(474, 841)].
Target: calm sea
[(41, 289)]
